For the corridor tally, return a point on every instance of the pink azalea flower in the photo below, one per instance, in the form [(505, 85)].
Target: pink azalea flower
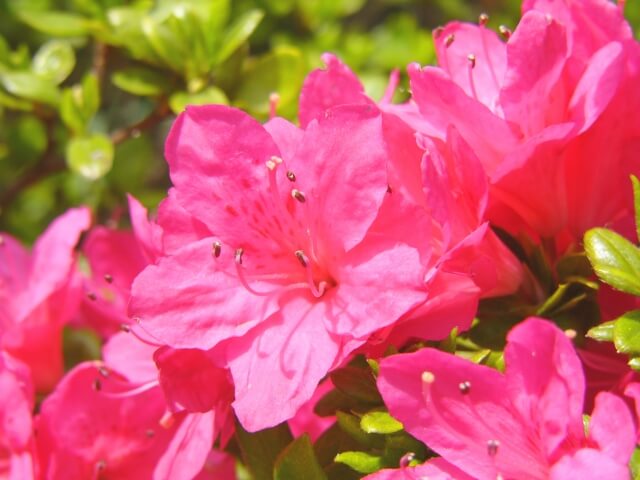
[(525, 424), (453, 190), (100, 422), (558, 94), (116, 257), (435, 469), (219, 466), (16, 432), (39, 293), (279, 263)]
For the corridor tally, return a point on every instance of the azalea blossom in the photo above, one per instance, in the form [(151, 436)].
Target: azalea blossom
[(525, 423), (40, 293), (545, 112)]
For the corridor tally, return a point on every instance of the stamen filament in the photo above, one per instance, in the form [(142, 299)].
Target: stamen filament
[(133, 392), (472, 64)]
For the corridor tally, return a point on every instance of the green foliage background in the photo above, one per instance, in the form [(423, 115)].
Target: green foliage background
[(88, 88)]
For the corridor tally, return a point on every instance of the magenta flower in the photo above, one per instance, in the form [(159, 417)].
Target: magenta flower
[(111, 420), (39, 293), (525, 424), (554, 103), (279, 263)]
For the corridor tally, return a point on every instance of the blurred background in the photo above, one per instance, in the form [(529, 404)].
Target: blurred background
[(89, 88)]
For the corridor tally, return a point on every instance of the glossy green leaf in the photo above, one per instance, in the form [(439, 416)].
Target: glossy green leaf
[(238, 33), (626, 333), (361, 461), (57, 24), (634, 464), (54, 60), (636, 203), (615, 259), (30, 86), (634, 363), (141, 81), (260, 449), (211, 95), (298, 461), (602, 332), (14, 103), (380, 422), (90, 156)]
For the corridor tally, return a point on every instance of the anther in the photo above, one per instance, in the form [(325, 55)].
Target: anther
[(125, 328), (302, 258), (406, 459), (472, 60), (216, 248), (298, 195), (108, 278), (103, 371), (428, 377), (101, 465), (570, 333), (504, 32), (97, 385), (492, 447), (449, 40), (91, 296), (238, 256), (389, 189), (483, 19), (271, 165), (465, 387), (275, 159), (150, 433), (437, 32), (291, 176)]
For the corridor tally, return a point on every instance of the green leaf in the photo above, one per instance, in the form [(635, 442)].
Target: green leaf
[(30, 86), (54, 60), (602, 332), (281, 71), (636, 203), (634, 363), (350, 424), (260, 449), (141, 81), (361, 461), (91, 156), (179, 101), (80, 103), (57, 24), (238, 33), (298, 461), (626, 333), (615, 259), (380, 422), (358, 383), (634, 464)]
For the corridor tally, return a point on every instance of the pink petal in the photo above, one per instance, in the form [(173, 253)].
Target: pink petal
[(365, 301), (286, 135), (344, 177), (277, 365), (589, 463), (130, 357), (179, 227), (456, 425), (484, 79), (148, 234), (193, 300), (191, 380), (53, 257), (536, 54), (444, 102), (217, 158), (545, 381), (434, 469), (612, 428), (323, 89)]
